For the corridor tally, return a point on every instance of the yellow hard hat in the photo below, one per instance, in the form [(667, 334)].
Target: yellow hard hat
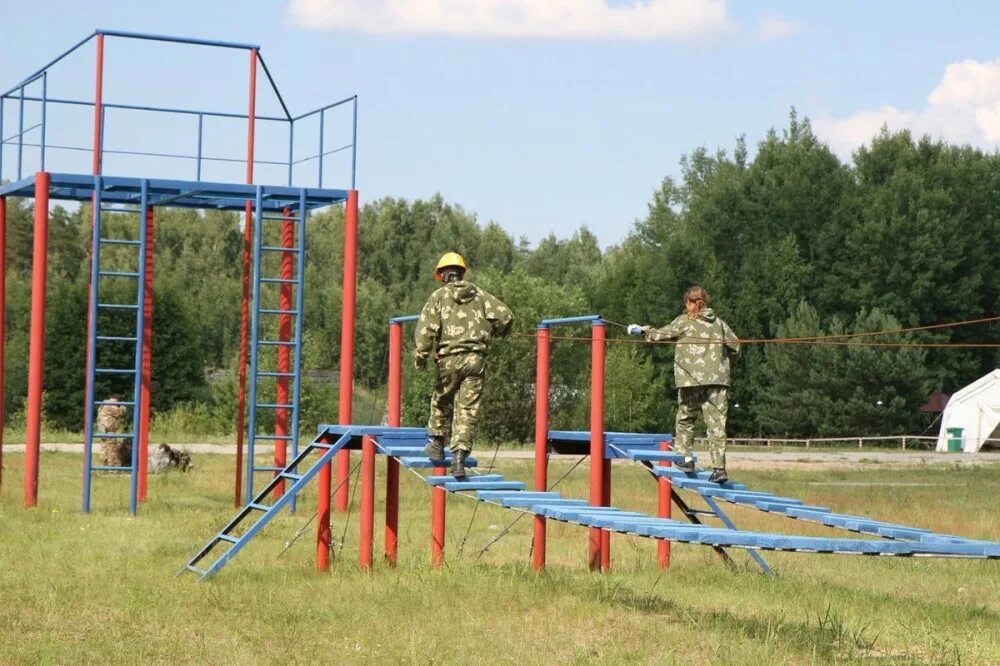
[(449, 259)]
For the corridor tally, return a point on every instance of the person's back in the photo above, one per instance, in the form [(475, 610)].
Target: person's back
[(455, 328), (705, 345), (460, 318)]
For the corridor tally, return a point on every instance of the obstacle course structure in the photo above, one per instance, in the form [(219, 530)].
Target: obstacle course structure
[(121, 275), (403, 446)]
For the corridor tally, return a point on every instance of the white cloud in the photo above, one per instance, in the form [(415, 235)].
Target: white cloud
[(561, 19), (963, 108), (772, 27)]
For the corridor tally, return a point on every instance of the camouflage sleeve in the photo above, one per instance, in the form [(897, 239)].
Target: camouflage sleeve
[(427, 330), (731, 342), (498, 314), (671, 331)]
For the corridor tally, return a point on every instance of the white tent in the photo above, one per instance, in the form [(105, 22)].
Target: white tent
[(975, 409)]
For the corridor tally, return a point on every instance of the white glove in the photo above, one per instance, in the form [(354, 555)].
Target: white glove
[(635, 329)]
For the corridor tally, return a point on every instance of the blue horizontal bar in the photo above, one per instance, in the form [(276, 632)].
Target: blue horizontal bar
[(117, 241), (139, 107), (113, 371), (112, 435), (435, 480), (39, 72), (327, 107), (279, 312), (275, 374), (278, 248), (115, 338), (178, 40), (423, 462), (274, 437), (276, 343), (109, 468), (403, 319), (114, 402), (118, 306), (472, 484), (128, 274), (532, 503), (570, 320)]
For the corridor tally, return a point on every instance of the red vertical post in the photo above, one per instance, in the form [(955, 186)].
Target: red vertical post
[(542, 342), (395, 404), (285, 303), (36, 349), (367, 501), (147, 362), (663, 511), (594, 556), (3, 308), (98, 105), (241, 400), (96, 159), (347, 341), (439, 499), (606, 501)]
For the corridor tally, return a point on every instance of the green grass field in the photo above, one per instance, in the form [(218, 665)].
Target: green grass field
[(100, 588)]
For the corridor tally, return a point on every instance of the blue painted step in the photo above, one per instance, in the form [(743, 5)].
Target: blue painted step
[(424, 462), (534, 502), (441, 480), (658, 456), (472, 484)]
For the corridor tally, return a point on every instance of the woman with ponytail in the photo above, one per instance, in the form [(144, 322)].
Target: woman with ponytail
[(705, 347)]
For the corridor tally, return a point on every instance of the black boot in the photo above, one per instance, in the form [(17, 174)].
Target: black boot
[(458, 463), (687, 466), (718, 475), (435, 448)]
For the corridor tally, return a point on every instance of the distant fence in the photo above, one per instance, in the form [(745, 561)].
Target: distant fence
[(903, 442)]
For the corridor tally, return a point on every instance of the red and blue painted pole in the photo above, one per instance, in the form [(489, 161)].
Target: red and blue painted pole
[(596, 558), (395, 405), (663, 511), (542, 346), (36, 348)]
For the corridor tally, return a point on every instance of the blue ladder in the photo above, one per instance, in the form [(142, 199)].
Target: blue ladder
[(135, 273), (262, 372), (260, 513)]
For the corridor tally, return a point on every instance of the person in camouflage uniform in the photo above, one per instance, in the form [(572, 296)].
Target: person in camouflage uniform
[(705, 347), (455, 327), (115, 452)]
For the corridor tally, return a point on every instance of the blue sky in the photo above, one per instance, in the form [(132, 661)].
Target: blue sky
[(543, 116)]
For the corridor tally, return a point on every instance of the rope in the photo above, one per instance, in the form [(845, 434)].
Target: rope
[(302, 530), (475, 509), (506, 530), (350, 505), (840, 339)]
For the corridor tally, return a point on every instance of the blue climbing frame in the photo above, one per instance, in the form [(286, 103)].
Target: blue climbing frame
[(28, 122)]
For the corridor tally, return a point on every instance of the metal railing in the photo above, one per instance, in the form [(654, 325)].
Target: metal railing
[(34, 134), (902, 442)]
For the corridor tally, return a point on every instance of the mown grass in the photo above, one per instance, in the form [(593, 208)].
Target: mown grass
[(99, 588)]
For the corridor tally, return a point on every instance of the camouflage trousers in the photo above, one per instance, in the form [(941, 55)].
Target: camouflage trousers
[(713, 403), (116, 453), (458, 389)]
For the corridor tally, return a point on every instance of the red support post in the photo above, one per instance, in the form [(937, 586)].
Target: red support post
[(285, 303), (3, 324), (663, 511), (395, 404), (96, 162), (439, 500), (147, 362), (98, 106), (367, 501), (241, 400), (595, 558), (542, 344), (36, 349), (347, 342)]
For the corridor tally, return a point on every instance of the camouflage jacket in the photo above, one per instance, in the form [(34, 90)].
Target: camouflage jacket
[(109, 417), (705, 347), (460, 318)]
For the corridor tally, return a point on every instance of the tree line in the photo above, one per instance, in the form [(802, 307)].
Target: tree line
[(790, 241)]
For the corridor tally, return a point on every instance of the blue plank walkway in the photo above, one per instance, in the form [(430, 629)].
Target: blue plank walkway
[(493, 488)]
